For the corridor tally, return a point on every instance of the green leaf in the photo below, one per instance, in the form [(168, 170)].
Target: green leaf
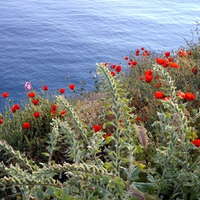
[(108, 123), (108, 166), (39, 193), (46, 154), (135, 173)]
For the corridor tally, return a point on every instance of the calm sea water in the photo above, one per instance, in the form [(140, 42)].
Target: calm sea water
[(46, 41)]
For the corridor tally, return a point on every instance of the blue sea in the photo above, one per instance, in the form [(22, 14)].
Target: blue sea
[(48, 41)]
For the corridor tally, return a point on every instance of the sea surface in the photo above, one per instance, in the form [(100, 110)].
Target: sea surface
[(48, 41)]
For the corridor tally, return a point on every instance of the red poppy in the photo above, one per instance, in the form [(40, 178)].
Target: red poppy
[(53, 111), (138, 119), (118, 68), (196, 142), (63, 112), (195, 70), (31, 94), (71, 86), (26, 125), (107, 135), (126, 58), (105, 64), (190, 53), (112, 66), (61, 90), (165, 64), (97, 128), (160, 61), (148, 72), (1, 121), (170, 59), (36, 114), (167, 54), (45, 88), (159, 95), (148, 78), (182, 53), (13, 109), (142, 48), (112, 73), (5, 94), (157, 85), (181, 94), (53, 107), (189, 96), (141, 78), (16, 106), (174, 65), (132, 63), (166, 98), (35, 101), (137, 52), (146, 53)]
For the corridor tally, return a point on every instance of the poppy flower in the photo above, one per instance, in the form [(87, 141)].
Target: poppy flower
[(16, 106), (36, 114), (173, 65), (159, 95), (181, 94), (148, 72), (71, 86), (107, 135), (182, 53), (190, 53), (53, 107), (170, 59), (167, 54), (27, 86), (196, 142), (166, 98), (146, 53), (45, 88), (132, 63), (165, 64), (26, 125), (5, 94), (63, 112), (31, 94), (118, 68), (141, 78), (53, 111), (195, 70), (189, 96), (105, 64), (157, 85), (61, 90), (137, 52), (142, 48), (148, 78), (112, 66), (97, 128), (35, 101), (112, 73), (1, 121), (126, 58), (13, 109), (160, 61)]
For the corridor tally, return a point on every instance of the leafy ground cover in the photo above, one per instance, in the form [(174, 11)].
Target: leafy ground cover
[(135, 137)]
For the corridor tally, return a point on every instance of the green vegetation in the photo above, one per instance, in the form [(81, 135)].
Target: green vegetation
[(136, 137)]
